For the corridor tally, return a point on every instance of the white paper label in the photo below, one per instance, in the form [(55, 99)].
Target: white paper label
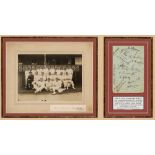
[(128, 103), (68, 108)]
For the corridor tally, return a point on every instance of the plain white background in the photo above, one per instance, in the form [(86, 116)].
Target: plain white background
[(81, 17)]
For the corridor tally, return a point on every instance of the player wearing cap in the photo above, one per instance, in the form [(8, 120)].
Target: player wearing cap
[(52, 70)]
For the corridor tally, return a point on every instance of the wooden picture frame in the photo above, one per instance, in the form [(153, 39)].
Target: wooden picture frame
[(128, 76), (19, 50)]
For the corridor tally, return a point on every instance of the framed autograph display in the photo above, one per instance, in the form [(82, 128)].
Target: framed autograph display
[(49, 76), (128, 76)]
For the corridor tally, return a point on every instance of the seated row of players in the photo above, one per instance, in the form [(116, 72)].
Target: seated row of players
[(54, 81)]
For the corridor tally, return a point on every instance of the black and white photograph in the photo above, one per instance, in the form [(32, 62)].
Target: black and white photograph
[(49, 77)]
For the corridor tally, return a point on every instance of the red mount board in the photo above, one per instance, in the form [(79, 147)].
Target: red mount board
[(124, 99)]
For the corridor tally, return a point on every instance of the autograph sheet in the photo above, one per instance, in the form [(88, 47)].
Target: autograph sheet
[(128, 69)]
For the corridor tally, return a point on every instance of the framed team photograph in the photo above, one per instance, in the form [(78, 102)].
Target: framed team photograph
[(128, 76), (49, 76)]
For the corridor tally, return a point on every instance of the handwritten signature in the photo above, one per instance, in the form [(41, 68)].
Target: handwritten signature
[(128, 68)]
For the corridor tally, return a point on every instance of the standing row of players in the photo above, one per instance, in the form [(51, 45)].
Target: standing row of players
[(54, 80)]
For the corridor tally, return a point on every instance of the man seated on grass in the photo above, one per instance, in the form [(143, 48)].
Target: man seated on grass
[(57, 86), (48, 84), (39, 86)]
